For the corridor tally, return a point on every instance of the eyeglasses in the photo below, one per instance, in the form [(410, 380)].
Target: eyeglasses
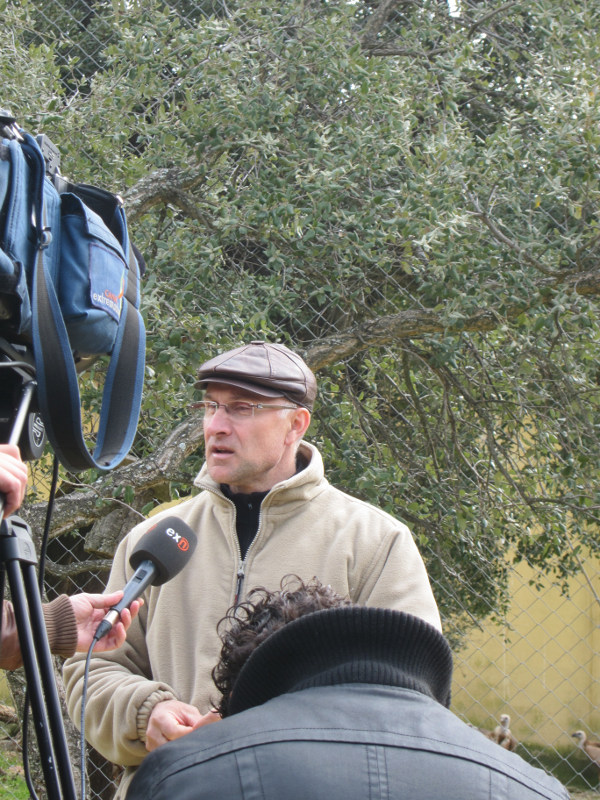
[(239, 409)]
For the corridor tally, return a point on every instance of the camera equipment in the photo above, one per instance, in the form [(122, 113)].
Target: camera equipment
[(17, 376), (18, 559), (69, 292), (69, 288)]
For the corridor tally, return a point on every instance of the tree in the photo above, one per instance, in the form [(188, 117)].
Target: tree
[(406, 195)]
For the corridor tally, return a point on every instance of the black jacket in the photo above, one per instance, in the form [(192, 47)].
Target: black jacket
[(344, 704)]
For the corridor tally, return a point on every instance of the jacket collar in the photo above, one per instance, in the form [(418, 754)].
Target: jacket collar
[(350, 644)]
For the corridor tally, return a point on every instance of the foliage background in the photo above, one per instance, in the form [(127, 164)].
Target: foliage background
[(407, 193)]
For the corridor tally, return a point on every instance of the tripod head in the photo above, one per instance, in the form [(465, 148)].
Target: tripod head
[(20, 420)]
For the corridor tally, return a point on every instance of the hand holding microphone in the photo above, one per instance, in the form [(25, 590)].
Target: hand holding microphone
[(90, 610), (160, 554)]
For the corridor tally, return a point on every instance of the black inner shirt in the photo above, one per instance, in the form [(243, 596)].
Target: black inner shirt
[(247, 511)]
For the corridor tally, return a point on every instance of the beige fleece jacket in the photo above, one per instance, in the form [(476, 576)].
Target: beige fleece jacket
[(306, 528)]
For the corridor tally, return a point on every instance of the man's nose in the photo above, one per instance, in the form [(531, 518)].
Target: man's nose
[(220, 420)]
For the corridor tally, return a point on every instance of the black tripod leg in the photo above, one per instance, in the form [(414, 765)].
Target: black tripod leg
[(18, 555), (42, 647), (34, 685)]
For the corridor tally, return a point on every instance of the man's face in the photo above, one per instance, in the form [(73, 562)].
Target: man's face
[(254, 453)]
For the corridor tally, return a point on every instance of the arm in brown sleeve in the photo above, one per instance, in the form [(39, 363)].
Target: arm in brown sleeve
[(61, 627), (10, 651)]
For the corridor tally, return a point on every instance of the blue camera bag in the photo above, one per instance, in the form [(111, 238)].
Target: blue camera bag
[(69, 287)]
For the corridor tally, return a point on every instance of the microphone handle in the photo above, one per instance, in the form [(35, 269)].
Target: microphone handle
[(139, 581)]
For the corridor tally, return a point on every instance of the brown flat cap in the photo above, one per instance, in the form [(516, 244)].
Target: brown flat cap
[(270, 370)]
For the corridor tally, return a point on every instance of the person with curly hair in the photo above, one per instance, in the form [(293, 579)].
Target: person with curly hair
[(327, 700), (246, 626)]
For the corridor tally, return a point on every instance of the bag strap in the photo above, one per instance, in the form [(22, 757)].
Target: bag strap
[(58, 390)]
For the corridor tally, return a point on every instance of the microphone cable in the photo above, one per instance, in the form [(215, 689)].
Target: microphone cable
[(82, 749)]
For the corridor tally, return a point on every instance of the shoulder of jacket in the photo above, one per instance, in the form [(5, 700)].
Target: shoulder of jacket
[(369, 511)]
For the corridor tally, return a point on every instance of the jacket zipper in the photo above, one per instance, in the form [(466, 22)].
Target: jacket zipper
[(241, 571)]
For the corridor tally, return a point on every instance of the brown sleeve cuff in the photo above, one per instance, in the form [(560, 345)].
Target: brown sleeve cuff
[(61, 626), (10, 651)]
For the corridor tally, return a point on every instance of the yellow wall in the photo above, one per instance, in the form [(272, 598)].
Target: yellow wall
[(541, 664)]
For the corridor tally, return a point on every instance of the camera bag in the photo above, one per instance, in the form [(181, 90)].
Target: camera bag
[(69, 288)]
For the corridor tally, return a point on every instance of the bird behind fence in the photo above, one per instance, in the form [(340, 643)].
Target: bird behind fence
[(592, 749)]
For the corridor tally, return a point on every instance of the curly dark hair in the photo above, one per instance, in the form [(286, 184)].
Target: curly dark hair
[(247, 625)]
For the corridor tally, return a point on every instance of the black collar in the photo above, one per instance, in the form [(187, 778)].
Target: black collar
[(350, 644)]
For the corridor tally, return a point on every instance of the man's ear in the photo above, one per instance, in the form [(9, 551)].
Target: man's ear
[(299, 423)]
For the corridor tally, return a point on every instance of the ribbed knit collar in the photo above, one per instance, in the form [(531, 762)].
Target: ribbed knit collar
[(350, 644)]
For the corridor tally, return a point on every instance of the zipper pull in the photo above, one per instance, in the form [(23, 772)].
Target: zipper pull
[(240, 581)]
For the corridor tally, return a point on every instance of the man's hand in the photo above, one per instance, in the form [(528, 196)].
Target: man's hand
[(172, 719), (13, 477), (90, 610)]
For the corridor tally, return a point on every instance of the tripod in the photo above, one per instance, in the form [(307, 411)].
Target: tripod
[(18, 559)]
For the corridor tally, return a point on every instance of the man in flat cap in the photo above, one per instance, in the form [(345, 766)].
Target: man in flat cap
[(265, 509)]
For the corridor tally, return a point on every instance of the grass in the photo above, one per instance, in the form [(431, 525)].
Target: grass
[(5, 696), (12, 783), (569, 765)]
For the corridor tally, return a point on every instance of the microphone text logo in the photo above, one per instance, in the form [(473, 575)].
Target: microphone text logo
[(181, 542)]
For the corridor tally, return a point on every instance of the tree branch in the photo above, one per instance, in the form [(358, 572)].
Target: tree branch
[(377, 49), (166, 186), (416, 324), (82, 508), (501, 237), (378, 19), (490, 14)]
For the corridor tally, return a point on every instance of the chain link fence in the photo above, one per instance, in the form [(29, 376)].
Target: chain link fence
[(402, 422)]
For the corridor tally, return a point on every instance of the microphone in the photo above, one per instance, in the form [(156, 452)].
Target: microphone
[(160, 554)]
